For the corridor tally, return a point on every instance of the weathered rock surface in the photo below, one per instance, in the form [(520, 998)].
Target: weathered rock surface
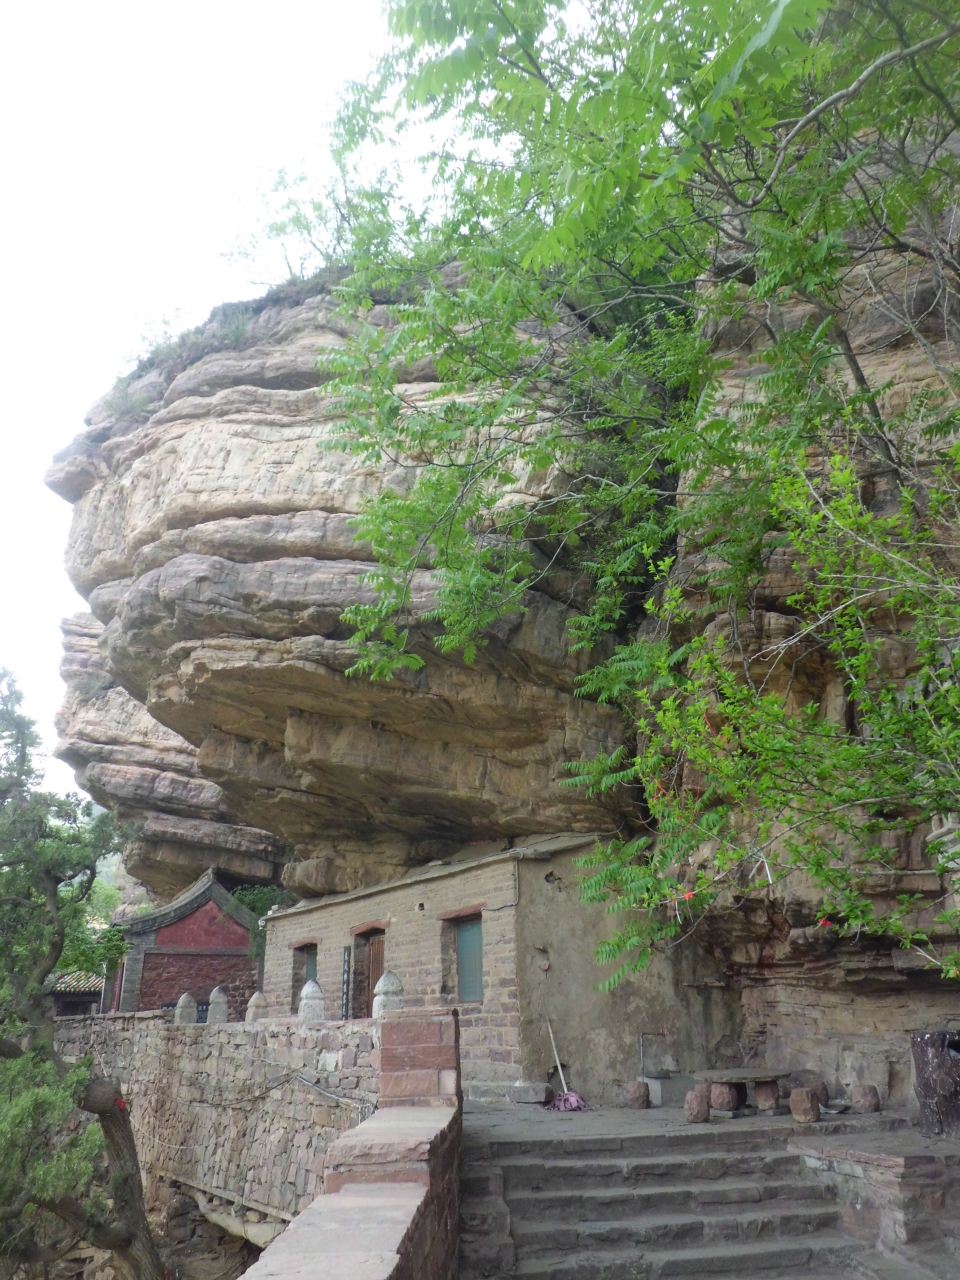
[(841, 1006), (212, 537), (148, 774)]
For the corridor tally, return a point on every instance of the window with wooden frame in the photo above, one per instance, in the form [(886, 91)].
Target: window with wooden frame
[(461, 957)]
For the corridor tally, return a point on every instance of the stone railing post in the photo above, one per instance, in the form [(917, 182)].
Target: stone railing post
[(310, 1005), (420, 1058), (387, 996), (185, 1014), (219, 1007), (256, 1007)]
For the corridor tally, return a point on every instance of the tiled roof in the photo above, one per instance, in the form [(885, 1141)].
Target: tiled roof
[(81, 983), (207, 889)]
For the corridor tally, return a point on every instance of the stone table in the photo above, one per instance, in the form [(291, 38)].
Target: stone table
[(728, 1089)]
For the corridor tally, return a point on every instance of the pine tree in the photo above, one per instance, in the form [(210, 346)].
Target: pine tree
[(69, 1172)]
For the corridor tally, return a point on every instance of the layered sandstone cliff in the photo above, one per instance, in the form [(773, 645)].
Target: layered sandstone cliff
[(840, 1004), (129, 762), (208, 695)]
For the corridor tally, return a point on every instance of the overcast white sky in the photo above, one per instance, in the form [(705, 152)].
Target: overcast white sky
[(138, 140)]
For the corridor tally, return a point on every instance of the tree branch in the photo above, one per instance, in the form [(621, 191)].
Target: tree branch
[(841, 96)]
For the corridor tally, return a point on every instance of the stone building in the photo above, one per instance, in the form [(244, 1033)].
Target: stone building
[(198, 941), (501, 934)]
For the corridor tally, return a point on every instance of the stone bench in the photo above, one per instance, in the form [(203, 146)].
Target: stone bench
[(728, 1090)]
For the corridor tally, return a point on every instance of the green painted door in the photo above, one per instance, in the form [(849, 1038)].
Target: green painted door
[(470, 959)]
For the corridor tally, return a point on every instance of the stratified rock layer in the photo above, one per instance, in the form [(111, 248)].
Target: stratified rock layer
[(149, 775), (212, 536)]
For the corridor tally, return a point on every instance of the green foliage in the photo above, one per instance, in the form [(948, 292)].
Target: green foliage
[(47, 1154), (52, 918), (633, 181), (259, 899)]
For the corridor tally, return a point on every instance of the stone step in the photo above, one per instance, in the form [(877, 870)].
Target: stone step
[(523, 1174), (821, 1256), (486, 1215), (506, 1091), (608, 1203), (749, 1134), (830, 1270), (484, 1255), (695, 1138), (726, 1225), (921, 1266), (824, 1249)]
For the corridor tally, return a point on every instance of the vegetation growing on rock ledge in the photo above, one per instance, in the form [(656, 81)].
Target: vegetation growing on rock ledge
[(698, 266), (62, 1180)]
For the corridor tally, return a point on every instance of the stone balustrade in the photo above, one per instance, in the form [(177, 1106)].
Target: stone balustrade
[(255, 1118), (390, 1206), (240, 1111), (901, 1192)]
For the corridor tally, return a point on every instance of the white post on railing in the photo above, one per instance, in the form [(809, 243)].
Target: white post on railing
[(218, 1009), (310, 1005), (387, 995), (185, 1014), (256, 1007)]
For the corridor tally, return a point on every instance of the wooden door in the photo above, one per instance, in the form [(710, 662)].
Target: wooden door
[(374, 967)]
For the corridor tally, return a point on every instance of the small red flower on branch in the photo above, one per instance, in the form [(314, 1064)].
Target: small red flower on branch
[(824, 923), (688, 895)]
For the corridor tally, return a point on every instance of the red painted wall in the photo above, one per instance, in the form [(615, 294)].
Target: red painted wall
[(208, 926), (167, 975)]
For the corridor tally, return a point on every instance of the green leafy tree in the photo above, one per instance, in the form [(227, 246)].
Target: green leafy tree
[(664, 226), (69, 1172), (260, 899)]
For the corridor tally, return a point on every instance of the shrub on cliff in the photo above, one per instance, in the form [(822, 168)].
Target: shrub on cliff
[(62, 1180), (677, 242)]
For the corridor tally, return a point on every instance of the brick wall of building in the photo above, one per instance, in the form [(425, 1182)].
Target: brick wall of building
[(415, 915), (166, 975), (209, 927), (202, 949)]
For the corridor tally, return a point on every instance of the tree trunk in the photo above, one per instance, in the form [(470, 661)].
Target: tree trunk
[(936, 1057), (136, 1257)]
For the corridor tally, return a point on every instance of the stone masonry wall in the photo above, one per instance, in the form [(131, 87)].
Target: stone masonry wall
[(234, 1110), (390, 1207), (688, 1014), (902, 1193), (414, 914)]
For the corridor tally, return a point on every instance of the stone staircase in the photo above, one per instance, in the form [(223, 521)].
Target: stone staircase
[(721, 1200)]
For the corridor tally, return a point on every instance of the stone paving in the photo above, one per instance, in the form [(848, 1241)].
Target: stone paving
[(608, 1194), (487, 1122)]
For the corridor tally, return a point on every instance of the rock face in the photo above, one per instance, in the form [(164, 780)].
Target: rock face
[(148, 774), (208, 694), (841, 1006), (212, 537)]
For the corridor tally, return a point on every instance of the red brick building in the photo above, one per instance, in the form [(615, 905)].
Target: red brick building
[(199, 941)]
